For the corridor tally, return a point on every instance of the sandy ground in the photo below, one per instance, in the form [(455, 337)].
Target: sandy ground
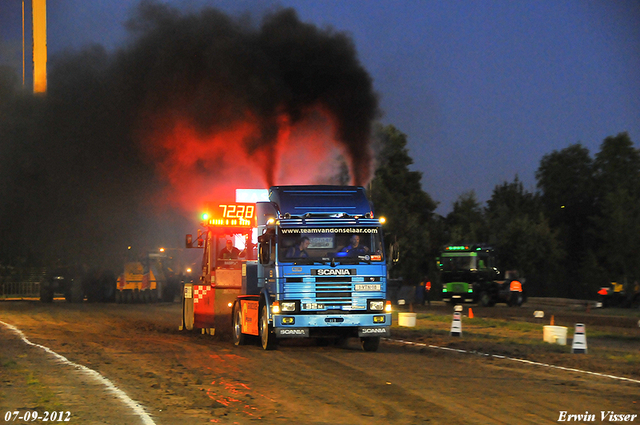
[(187, 378)]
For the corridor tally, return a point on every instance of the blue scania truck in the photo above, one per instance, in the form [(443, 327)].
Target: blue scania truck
[(311, 265)]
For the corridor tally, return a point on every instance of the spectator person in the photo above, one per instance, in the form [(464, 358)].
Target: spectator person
[(354, 248), (299, 250), (427, 291), (424, 292), (229, 252)]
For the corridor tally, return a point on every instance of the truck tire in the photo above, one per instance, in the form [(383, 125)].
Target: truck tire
[(370, 343), (92, 288), (515, 299), (170, 290), (74, 292), (108, 286), (267, 337), (485, 299), (46, 293), (238, 337)]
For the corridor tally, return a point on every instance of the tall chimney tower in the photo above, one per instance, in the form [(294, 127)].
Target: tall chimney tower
[(39, 11)]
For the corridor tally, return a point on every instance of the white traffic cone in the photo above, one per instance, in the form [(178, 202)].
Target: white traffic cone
[(456, 325), (579, 345)]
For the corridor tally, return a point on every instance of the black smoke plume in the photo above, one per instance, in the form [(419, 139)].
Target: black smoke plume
[(192, 105)]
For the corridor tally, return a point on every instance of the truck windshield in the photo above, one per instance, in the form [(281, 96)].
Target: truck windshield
[(331, 244), (458, 263)]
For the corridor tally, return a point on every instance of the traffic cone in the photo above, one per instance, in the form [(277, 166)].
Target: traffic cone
[(579, 345), (456, 324), (470, 313), (552, 321)]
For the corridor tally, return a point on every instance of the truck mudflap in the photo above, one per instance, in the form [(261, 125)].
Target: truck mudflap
[(363, 331), (292, 332), (304, 326), (366, 331), (332, 321)]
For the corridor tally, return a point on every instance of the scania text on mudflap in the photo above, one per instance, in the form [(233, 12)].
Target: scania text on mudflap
[(308, 261)]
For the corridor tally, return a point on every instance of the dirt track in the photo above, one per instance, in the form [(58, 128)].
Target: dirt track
[(189, 378)]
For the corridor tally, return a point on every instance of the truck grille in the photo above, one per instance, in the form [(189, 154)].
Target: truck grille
[(329, 291), (458, 287), (333, 293)]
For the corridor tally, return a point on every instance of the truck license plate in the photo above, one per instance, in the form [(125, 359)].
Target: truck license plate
[(368, 287)]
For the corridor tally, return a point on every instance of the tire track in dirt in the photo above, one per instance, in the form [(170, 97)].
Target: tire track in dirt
[(56, 383), (195, 379), (347, 394)]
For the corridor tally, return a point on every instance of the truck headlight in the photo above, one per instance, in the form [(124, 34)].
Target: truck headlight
[(376, 305), (287, 306)]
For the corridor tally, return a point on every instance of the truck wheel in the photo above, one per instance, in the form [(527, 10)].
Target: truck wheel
[(515, 299), (267, 338), (74, 293), (46, 294), (370, 343), (238, 337), (485, 299)]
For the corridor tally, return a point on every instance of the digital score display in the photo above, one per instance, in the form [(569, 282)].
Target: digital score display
[(231, 215)]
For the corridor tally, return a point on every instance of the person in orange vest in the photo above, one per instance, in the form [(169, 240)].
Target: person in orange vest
[(426, 286)]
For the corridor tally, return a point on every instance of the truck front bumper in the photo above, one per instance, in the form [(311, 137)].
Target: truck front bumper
[(466, 297), (301, 325)]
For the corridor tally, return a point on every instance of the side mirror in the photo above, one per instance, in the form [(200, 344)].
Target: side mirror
[(264, 252), (265, 244), (200, 239), (395, 252)]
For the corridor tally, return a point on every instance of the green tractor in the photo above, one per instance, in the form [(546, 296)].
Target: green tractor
[(469, 275)]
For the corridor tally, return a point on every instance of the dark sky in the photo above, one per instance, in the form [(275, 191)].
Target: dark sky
[(482, 89)]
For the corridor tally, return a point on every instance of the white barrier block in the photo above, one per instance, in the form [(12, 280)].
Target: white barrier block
[(555, 334), (456, 324), (407, 319), (579, 345)]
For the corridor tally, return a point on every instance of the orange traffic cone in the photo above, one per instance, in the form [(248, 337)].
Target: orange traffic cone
[(552, 320), (470, 313)]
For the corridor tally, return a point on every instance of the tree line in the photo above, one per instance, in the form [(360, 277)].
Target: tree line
[(578, 231)]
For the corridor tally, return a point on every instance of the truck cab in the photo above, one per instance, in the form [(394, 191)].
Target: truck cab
[(319, 272), (469, 275)]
